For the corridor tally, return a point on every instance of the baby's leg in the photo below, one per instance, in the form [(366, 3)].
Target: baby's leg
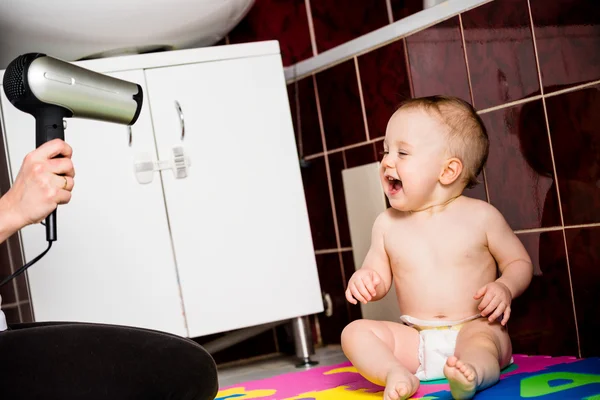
[(385, 353), (482, 348)]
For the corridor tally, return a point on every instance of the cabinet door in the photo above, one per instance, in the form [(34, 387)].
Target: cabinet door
[(113, 260), (239, 222)]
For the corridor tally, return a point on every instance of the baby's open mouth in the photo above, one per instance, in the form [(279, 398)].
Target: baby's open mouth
[(395, 184)]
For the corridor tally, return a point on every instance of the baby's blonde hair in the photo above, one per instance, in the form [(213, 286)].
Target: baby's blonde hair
[(467, 138)]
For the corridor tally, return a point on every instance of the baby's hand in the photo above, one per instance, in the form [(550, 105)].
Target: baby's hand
[(362, 286), (496, 300)]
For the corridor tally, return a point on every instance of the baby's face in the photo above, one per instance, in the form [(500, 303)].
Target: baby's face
[(414, 154)]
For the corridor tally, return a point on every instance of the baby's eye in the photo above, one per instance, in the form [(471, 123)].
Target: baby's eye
[(402, 153), (384, 153)]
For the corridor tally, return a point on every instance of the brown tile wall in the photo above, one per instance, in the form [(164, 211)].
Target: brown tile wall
[(532, 70)]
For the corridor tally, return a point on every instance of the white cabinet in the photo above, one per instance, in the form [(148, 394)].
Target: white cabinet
[(239, 222), (227, 247)]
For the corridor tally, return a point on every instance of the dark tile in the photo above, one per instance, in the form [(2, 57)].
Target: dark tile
[(259, 345), (282, 20), (316, 190), (360, 155), (500, 52), (542, 320), (519, 172), (332, 283), (12, 315), (584, 257), (26, 312), (309, 128), (478, 192), (404, 8), (574, 121), (437, 62), (378, 149), (354, 310), (337, 22), (340, 106), (336, 165), (385, 84), (568, 38), (7, 291)]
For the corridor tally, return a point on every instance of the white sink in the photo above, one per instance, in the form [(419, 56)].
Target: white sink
[(79, 29)]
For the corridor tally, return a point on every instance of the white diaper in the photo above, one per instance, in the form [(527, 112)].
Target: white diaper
[(436, 344)]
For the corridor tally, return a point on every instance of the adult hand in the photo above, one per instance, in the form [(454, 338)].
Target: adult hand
[(39, 187)]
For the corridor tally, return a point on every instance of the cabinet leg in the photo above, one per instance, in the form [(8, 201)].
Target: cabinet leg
[(303, 342)]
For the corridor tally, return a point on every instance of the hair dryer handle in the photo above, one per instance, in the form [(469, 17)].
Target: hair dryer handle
[(49, 126)]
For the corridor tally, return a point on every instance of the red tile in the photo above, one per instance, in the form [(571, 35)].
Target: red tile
[(336, 165), (500, 53), (519, 170), (542, 320), (568, 38), (385, 84), (360, 155), (12, 315), (584, 257), (340, 106), (316, 190), (339, 21), (332, 283), (574, 120), (26, 312), (478, 192), (282, 20), (404, 8), (437, 62), (7, 291), (354, 310)]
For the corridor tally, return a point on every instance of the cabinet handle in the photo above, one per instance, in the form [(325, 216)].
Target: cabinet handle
[(181, 120), (130, 135)]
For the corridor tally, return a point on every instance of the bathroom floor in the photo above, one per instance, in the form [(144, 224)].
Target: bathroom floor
[(234, 373)]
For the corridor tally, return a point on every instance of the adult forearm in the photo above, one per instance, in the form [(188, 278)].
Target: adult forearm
[(516, 276), (9, 224)]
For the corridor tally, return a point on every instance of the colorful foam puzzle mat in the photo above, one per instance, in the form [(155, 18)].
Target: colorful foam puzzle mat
[(529, 377)]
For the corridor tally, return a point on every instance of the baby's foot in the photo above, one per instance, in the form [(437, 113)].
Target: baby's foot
[(400, 384), (462, 378)]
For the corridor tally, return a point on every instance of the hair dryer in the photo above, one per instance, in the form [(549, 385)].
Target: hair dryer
[(51, 89)]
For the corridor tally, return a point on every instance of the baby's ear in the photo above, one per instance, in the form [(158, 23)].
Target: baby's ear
[(452, 169)]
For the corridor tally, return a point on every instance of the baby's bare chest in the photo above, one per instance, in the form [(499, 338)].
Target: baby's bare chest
[(437, 246)]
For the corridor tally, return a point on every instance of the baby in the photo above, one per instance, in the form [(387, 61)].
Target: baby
[(441, 251)]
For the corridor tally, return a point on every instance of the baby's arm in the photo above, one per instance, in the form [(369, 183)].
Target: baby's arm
[(514, 264), (375, 275)]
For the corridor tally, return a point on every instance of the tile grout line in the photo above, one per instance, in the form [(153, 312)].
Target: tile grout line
[(594, 225), (538, 230), (362, 99), (339, 149), (344, 158), (330, 251), (572, 89), (390, 13), (408, 71), (510, 104), (537, 62), (311, 28), (464, 45)]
